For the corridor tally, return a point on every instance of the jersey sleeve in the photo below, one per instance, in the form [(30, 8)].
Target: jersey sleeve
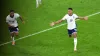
[(64, 18), (17, 15), (75, 16)]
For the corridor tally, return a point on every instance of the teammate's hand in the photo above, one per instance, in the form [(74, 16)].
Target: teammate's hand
[(86, 18), (52, 24)]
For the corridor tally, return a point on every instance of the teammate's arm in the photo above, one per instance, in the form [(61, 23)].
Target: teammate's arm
[(22, 19), (9, 25)]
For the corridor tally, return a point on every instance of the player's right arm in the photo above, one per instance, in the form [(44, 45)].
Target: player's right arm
[(9, 25), (59, 21)]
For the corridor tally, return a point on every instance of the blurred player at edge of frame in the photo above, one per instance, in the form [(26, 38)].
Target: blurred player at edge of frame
[(38, 2), (11, 20), (72, 28)]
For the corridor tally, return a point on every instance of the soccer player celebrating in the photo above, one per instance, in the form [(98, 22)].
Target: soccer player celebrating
[(70, 17), (11, 20)]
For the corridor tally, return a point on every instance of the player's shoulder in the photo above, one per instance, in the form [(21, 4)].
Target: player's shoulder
[(66, 15), (74, 14), (16, 14), (7, 16)]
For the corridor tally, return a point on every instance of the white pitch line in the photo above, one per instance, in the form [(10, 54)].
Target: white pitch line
[(44, 30)]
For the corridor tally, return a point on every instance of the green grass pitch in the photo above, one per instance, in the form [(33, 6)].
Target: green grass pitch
[(56, 41)]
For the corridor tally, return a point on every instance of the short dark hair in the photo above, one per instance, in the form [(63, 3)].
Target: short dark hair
[(70, 9), (11, 10)]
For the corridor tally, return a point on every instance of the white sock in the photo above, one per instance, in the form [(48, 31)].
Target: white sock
[(13, 39), (75, 43), (37, 3)]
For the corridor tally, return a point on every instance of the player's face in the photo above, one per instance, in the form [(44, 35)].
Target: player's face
[(70, 12), (11, 14)]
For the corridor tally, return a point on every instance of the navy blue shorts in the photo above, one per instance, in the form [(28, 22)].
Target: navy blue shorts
[(72, 31), (13, 29)]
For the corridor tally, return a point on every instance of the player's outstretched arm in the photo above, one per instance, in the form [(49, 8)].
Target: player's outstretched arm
[(22, 19), (83, 18), (57, 22)]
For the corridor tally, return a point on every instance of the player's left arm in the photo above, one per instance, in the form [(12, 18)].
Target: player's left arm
[(78, 17), (83, 18), (21, 19)]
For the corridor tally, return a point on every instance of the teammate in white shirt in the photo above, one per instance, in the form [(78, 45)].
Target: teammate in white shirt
[(11, 20), (70, 17)]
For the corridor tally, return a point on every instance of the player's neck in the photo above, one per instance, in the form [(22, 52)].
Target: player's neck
[(70, 14), (11, 16)]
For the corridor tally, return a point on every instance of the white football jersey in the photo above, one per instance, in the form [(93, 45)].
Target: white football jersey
[(12, 21), (70, 21)]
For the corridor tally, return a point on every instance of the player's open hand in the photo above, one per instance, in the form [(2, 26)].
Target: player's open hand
[(86, 18), (52, 24)]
